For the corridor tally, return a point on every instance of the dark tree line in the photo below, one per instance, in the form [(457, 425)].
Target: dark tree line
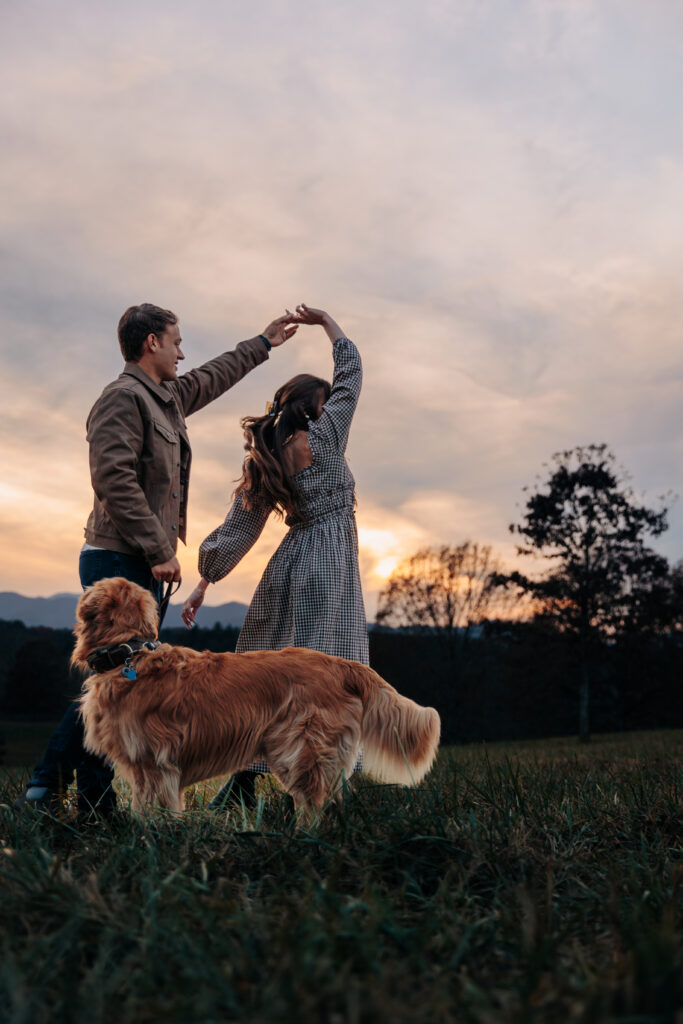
[(594, 635), (35, 678), (514, 680)]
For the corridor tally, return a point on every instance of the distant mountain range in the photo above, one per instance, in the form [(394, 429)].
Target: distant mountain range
[(59, 612)]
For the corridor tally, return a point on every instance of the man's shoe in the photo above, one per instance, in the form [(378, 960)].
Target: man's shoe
[(239, 789), (39, 798)]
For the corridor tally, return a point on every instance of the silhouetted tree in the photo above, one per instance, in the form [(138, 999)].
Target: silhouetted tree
[(443, 591), (652, 605), (586, 520)]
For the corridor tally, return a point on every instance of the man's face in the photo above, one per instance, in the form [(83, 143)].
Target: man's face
[(167, 353)]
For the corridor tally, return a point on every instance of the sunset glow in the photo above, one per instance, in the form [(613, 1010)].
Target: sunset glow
[(385, 566), (384, 549)]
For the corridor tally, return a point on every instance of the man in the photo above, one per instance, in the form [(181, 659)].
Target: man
[(140, 469)]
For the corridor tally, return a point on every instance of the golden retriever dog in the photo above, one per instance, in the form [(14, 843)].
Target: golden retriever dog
[(189, 716)]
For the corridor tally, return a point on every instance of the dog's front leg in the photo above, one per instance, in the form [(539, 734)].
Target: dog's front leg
[(142, 793), (176, 802), (168, 789), (163, 783)]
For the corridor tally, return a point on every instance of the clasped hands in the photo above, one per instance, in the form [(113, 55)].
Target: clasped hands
[(279, 331)]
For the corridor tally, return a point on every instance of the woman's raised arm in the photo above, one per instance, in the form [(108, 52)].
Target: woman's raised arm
[(334, 424)]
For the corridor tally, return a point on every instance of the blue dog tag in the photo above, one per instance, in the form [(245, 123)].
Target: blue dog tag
[(128, 672)]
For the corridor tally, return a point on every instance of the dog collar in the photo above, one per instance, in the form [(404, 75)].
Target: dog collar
[(104, 658)]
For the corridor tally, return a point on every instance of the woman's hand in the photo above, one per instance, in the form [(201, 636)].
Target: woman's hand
[(193, 603), (278, 332), (308, 315)]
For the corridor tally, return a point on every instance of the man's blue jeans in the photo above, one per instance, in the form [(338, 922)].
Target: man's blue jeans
[(64, 753)]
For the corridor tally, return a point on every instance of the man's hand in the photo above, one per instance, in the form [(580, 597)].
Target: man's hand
[(278, 332), (167, 571)]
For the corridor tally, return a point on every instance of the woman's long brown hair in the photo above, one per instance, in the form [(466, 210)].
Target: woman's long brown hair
[(263, 476)]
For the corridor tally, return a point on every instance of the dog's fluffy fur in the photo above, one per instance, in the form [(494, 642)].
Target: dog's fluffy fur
[(190, 716)]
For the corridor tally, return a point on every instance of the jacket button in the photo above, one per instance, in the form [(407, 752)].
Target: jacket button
[(175, 494), (174, 527)]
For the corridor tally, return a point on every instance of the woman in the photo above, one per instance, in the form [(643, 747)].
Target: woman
[(310, 593)]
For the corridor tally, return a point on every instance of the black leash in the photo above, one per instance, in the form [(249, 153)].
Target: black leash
[(163, 606)]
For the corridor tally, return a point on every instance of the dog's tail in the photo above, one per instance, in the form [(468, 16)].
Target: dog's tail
[(399, 737)]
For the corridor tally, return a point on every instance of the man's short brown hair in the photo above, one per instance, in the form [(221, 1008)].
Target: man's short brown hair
[(137, 323)]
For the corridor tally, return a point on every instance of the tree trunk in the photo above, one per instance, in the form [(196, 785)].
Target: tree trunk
[(584, 711), (584, 687)]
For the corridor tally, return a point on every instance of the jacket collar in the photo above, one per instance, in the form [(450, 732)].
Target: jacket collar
[(162, 391)]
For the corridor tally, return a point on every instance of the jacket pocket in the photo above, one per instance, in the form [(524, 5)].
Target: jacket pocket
[(165, 432), (159, 469)]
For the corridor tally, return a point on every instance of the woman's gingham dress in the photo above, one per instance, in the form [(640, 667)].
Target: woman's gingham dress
[(310, 593)]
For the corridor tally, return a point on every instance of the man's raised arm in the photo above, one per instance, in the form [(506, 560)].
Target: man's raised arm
[(198, 387)]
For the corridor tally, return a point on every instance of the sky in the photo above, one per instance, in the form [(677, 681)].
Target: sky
[(486, 195)]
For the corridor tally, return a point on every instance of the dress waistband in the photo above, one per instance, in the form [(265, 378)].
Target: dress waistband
[(337, 513)]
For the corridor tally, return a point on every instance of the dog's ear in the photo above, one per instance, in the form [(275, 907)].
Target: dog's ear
[(101, 600), (138, 607), (148, 614), (88, 607), (119, 603)]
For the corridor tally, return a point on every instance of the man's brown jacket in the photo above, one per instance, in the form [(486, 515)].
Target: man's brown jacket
[(140, 452)]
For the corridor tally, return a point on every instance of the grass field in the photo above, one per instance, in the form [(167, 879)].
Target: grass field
[(521, 882)]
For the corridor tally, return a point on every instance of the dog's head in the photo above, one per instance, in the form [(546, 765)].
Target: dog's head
[(113, 611)]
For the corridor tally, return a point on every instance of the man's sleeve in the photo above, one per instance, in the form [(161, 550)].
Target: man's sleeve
[(198, 387), (115, 437)]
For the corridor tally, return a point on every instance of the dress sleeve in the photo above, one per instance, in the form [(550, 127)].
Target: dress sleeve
[(227, 545), (334, 424)]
